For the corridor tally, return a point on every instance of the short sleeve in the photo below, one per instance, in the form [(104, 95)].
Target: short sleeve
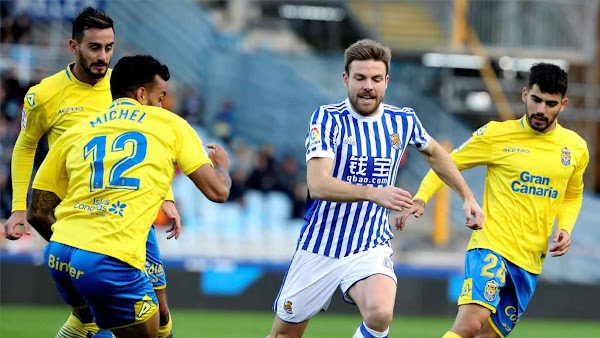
[(190, 154), (321, 135)]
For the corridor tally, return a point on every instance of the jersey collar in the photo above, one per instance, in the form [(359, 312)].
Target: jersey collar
[(103, 84), (527, 127), (125, 101)]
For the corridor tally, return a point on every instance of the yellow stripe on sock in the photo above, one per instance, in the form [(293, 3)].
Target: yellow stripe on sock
[(165, 331)]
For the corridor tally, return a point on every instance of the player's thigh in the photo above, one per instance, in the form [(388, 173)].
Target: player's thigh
[(307, 287), (485, 274), (118, 294), (154, 264), (514, 299), (58, 261), (369, 281), (148, 328)]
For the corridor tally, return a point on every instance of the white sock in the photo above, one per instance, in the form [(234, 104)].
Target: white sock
[(364, 332)]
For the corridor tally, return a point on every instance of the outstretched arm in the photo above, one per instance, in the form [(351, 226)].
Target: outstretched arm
[(40, 213)]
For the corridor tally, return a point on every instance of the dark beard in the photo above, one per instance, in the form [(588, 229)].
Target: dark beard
[(88, 69), (538, 128)]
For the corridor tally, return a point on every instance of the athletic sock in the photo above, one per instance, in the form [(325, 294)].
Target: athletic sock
[(165, 331), (364, 332), (72, 328)]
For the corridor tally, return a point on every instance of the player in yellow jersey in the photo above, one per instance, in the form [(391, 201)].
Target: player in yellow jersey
[(52, 107), (106, 178), (534, 175)]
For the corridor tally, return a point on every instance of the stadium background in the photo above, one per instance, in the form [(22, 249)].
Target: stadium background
[(248, 74)]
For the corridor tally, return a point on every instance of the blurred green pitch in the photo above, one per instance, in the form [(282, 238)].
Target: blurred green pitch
[(44, 321)]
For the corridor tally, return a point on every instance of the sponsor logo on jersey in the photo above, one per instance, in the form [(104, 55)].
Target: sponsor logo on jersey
[(367, 170), (516, 150), (69, 110), (531, 184), (98, 207), (491, 290), (565, 157), (117, 208)]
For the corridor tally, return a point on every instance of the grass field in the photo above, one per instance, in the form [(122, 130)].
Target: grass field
[(42, 321)]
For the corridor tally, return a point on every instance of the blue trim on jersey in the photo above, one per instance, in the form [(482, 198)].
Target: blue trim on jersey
[(68, 75)]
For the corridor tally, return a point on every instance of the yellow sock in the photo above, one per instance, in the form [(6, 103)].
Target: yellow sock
[(72, 328), (165, 331), (91, 327), (451, 335)]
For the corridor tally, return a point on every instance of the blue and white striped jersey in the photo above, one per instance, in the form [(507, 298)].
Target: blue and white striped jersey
[(365, 151)]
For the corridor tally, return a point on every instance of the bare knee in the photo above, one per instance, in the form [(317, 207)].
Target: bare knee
[(378, 318), (283, 329), (467, 328)]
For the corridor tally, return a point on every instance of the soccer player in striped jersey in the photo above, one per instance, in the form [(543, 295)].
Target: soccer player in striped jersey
[(534, 174), (107, 177), (353, 150), (51, 108)]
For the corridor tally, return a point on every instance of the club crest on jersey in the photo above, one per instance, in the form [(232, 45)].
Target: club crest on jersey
[(30, 98), (565, 157), (396, 142), (288, 307), (491, 290)]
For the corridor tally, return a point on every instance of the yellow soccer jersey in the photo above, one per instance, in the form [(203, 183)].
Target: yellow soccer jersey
[(51, 107), (531, 179), (112, 171)]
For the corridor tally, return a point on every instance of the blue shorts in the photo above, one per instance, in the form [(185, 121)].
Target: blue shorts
[(499, 285), (154, 265), (118, 294)]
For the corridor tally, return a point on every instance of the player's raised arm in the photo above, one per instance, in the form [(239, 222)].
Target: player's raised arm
[(214, 181)]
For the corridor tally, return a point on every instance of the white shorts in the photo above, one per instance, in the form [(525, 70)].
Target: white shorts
[(312, 279)]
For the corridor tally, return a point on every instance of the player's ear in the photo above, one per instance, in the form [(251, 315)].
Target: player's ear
[(524, 93), (141, 95), (73, 47)]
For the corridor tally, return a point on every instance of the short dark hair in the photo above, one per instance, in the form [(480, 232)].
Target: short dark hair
[(89, 17), (133, 72), (367, 49), (549, 77)]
